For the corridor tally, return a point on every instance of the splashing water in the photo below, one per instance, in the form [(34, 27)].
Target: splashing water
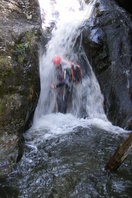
[(54, 11), (68, 18)]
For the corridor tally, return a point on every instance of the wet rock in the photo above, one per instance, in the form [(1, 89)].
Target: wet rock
[(108, 45), (19, 76), (8, 153), (126, 4)]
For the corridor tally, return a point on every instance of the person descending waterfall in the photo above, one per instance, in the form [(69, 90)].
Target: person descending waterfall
[(67, 73)]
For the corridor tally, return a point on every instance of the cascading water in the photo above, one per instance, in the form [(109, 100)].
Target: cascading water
[(87, 100)]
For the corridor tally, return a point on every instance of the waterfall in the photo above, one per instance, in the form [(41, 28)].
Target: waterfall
[(67, 18), (63, 155)]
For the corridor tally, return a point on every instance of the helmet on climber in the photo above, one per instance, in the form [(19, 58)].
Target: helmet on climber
[(56, 60)]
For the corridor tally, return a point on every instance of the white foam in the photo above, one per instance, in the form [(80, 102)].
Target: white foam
[(58, 123)]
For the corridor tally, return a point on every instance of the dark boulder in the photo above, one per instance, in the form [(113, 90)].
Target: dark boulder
[(126, 4), (107, 41)]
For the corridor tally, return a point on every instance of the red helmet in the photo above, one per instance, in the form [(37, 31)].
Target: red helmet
[(56, 60)]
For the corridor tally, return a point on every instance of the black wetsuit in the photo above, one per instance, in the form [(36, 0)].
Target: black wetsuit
[(63, 91)]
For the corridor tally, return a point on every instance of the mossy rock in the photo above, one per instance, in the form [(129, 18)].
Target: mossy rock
[(19, 76)]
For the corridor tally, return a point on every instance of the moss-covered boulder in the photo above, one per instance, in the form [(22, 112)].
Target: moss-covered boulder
[(19, 75)]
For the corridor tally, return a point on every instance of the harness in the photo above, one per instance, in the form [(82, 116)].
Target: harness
[(73, 72), (68, 74)]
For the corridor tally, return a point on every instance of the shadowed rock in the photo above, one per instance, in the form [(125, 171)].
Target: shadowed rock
[(107, 43), (19, 78)]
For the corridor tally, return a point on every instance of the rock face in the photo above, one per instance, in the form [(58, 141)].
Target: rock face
[(107, 43), (126, 4), (19, 76)]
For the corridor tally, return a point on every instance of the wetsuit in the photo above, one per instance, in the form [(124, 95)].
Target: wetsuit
[(63, 91)]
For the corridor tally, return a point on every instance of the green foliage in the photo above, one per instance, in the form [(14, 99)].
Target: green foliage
[(27, 45), (22, 47)]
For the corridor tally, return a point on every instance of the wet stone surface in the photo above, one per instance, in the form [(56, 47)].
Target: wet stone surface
[(70, 165)]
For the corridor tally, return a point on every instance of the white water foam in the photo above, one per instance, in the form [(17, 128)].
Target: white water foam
[(53, 125)]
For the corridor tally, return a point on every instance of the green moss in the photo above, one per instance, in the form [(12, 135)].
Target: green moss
[(4, 62), (26, 41), (1, 108), (30, 93), (20, 59), (5, 73), (5, 68), (22, 51), (29, 37), (22, 47)]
